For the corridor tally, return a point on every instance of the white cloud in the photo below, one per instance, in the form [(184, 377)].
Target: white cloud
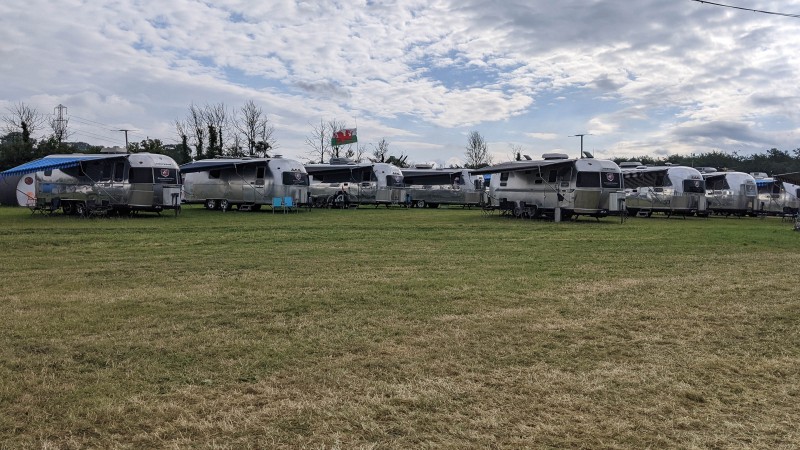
[(656, 76)]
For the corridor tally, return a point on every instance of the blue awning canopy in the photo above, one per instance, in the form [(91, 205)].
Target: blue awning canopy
[(55, 162), (214, 164)]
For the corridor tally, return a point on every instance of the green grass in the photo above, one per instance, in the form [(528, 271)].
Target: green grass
[(397, 328)]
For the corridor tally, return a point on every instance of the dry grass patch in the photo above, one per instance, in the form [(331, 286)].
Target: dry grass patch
[(396, 329)]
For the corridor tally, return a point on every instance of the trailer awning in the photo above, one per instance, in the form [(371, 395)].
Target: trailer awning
[(55, 162), (211, 164), (792, 177), (317, 169), (643, 177), (516, 166)]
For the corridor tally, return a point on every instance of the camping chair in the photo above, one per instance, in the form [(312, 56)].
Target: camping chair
[(276, 203), (288, 204)]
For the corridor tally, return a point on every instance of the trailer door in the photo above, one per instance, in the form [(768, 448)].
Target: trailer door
[(254, 193)]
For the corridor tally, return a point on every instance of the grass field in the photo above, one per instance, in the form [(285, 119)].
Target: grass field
[(397, 329)]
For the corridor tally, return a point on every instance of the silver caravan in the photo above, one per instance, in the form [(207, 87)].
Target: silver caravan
[(731, 193), (556, 186), (776, 197), (671, 190), (344, 183), (433, 187), (103, 183), (247, 183)]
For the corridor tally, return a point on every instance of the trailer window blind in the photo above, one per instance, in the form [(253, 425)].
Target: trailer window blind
[(696, 186), (140, 175), (588, 179), (394, 180), (610, 180), (119, 171), (295, 179), (717, 184), (166, 176)]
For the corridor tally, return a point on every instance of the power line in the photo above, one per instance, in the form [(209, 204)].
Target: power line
[(749, 9)]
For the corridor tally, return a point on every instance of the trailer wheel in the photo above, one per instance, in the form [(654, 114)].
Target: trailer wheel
[(224, 205), (68, 208), (210, 204), (80, 209), (420, 204)]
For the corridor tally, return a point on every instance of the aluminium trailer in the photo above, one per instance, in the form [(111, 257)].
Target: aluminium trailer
[(434, 187), (342, 183), (670, 190), (113, 182), (246, 183), (556, 187)]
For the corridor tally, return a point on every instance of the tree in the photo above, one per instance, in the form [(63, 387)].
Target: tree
[(334, 126), (217, 117), (516, 151), (253, 124), (185, 152), (196, 126), (381, 150), (24, 119), (214, 148), (318, 141), (360, 153), (477, 154)]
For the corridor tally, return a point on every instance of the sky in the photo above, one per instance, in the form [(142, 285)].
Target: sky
[(643, 78)]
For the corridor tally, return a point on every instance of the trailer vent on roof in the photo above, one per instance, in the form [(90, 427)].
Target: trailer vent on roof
[(629, 164), (548, 156)]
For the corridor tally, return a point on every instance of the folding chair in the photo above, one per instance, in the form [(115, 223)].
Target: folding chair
[(276, 203), (288, 203)]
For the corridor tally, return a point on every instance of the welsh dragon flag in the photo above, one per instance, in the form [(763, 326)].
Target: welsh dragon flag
[(343, 137)]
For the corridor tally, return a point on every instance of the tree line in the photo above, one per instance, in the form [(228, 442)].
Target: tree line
[(772, 161), (215, 130)]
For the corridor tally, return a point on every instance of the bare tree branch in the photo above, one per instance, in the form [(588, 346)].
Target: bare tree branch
[(477, 154)]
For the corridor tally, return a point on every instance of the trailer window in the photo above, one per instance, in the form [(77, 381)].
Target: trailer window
[(717, 184), (610, 180), (588, 179), (213, 174), (260, 172), (552, 176), (119, 171), (697, 186), (140, 175), (95, 171), (295, 179), (503, 178), (166, 176), (394, 180)]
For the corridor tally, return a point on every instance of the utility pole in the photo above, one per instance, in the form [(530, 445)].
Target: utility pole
[(581, 136), (126, 138)]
